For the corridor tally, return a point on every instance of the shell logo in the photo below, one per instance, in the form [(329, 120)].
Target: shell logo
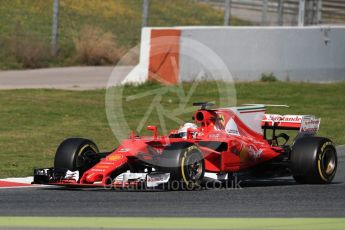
[(115, 157)]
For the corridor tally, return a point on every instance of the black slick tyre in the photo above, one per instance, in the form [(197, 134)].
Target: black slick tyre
[(313, 160), (185, 163), (73, 154)]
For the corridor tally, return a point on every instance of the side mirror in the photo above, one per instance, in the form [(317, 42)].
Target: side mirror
[(190, 133), (154, 129)]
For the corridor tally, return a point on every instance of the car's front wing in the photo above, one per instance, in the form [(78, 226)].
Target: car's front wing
[(64, 177)]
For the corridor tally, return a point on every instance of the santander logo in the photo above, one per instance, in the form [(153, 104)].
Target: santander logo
[(285, 118)]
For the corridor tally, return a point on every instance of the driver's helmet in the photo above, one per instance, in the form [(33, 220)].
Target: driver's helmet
[(183, 129)]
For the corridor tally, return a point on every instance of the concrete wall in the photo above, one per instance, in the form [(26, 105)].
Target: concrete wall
[(301, 54), (290, 53)]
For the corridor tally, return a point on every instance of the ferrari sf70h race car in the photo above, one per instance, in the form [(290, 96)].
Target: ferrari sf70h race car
[(218, 145)]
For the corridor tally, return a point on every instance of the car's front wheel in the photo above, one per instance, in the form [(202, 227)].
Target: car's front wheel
[(186, 165), (76, 154)]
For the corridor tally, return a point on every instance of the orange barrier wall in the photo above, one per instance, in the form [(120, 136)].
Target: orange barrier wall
[(164, 56)]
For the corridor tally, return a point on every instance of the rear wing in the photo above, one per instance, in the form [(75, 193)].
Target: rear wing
[(303, 123)]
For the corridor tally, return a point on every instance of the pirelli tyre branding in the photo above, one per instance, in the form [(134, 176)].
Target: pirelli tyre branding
[(325, 145), (92, 146), (190, 182), (325, 169)]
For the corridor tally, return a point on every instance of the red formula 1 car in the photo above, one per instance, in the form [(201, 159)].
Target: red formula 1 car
[(219, 144)]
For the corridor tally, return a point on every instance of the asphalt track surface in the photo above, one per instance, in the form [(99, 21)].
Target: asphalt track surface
[(273, 198), (68, 78)]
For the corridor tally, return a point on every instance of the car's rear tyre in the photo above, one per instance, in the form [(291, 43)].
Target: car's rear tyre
[(299, 179), (313, 160), (75, 154), (186, 166)]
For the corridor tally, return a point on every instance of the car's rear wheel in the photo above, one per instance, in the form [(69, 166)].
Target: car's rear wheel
[(313, 160), (76, 154), (186, 166), (299, 179)]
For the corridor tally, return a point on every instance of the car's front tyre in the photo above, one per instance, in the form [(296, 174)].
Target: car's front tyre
[(186, 165), (76, 154)]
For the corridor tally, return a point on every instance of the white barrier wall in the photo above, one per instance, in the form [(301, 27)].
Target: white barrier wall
[(301, 54), (290, 53)]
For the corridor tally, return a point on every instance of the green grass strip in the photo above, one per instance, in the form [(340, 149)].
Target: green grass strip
[(173, 223), (33, 122)]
